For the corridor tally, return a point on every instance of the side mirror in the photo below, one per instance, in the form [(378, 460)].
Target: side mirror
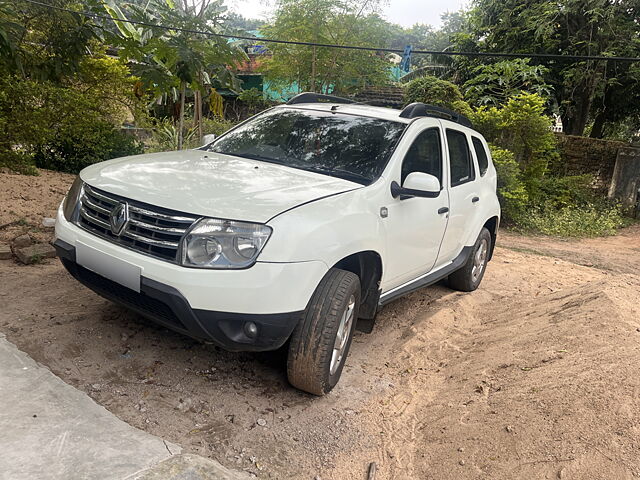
[(417, 184), (207, 139)]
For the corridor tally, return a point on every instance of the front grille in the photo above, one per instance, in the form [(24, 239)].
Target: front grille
[(150, 230)]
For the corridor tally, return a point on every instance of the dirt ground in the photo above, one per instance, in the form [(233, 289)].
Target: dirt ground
[(534, 376)]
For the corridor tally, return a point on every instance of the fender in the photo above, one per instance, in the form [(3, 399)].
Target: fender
[(327, 230)]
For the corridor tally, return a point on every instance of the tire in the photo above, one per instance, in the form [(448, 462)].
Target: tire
[(333, 307), (468, 278)]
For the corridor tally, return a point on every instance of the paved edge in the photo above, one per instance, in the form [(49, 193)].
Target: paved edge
[(51, 430)]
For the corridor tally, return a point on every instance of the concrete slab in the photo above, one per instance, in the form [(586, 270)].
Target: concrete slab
[(51, 431), (190, 467)]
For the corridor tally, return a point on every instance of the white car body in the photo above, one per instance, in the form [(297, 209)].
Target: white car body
[(317, 222)]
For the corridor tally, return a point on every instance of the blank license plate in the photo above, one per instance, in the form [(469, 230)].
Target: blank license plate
[(109, 267)]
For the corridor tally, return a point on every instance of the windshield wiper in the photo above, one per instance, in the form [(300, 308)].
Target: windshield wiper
[(340, 173)]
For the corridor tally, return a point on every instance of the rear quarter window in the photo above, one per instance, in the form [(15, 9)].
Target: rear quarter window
[(481, 154)]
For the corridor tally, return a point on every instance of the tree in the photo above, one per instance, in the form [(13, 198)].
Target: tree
[(241, 23), (438, 92), (41, 43), (565, 27), (615, 109), (172, 60), (326, 21), (495, 83)]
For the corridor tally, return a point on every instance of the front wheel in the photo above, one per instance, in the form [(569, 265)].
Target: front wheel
[(468, 278), (320, 343)]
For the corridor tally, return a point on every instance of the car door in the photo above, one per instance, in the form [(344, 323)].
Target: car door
[(415, 226), (464, 194)]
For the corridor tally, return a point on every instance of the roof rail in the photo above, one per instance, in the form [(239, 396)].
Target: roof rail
[(310, 97), (418, 109)]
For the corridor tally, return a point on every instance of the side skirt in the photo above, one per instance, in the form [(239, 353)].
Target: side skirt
[(426, 280)]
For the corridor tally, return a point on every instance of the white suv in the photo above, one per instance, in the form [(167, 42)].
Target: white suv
[(297, 225)]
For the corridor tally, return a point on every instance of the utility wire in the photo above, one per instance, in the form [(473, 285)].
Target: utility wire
[(547, 56)]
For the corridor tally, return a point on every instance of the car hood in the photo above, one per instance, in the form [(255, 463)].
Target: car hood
[(212, 185)]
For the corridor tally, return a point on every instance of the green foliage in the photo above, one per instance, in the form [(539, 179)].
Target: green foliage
[(78, 145), (521, 127), (494, 84), (165, 134), (435, 91), (511, 189), (574, 221), (166, 137), (18, 162), (241, 23), (563, 191), (166, 58), (254, 99), (40, 43), (326, 21), (531, 198), (568, 27), (169, 61), (217, 126), (67, 126)]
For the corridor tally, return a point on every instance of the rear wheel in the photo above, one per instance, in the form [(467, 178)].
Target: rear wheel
[(468, 278), (320, 343)]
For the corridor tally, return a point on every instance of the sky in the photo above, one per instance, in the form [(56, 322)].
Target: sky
[(403, 12)]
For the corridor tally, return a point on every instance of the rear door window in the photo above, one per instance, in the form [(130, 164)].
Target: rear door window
[(461, 163), (481, 154)]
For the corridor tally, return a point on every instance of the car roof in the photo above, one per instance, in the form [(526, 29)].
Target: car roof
[(382, 113)]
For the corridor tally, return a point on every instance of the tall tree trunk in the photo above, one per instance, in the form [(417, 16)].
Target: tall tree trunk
[(580, 99), (183, 88), (575, 119), (597, 130), (313, 70), (197, 113)]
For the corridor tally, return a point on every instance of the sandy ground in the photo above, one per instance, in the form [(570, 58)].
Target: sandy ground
[(535, 375)]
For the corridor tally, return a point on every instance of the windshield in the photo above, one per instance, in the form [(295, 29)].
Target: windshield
[(346, 146)]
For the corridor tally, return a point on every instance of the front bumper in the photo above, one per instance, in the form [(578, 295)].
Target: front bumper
[(166, 306), (212, 305)]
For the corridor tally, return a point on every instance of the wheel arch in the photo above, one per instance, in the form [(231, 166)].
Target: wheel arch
[(367, 265), (492, 225)]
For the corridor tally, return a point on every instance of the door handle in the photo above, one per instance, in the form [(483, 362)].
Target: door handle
[(475, 199), (443, 210)]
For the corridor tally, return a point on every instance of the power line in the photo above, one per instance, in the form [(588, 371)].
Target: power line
[(547, 56)]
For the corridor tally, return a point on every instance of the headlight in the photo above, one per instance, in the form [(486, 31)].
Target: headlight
[(214, 243), (70, 202)]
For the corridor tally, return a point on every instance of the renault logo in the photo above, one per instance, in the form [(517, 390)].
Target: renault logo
[(118, 218)]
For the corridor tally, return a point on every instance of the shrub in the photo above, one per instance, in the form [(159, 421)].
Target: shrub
[(165, 134), (573, 220), (165, 137), (511, 190), (435, 91), (561, 206), (254, 100), (563, 191), (82, 145), (521, 127), (18, 162), (76, 121), (217, 126)]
